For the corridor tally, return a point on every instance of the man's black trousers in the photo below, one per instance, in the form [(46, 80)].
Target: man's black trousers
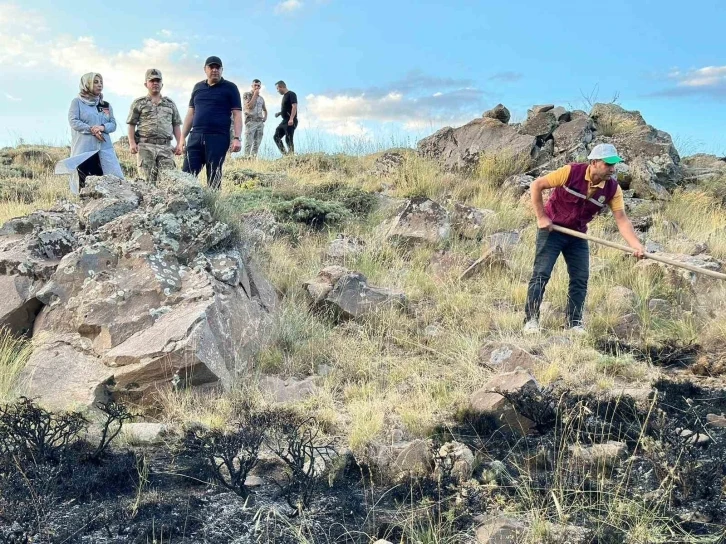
[(286, 131), (209, 151)]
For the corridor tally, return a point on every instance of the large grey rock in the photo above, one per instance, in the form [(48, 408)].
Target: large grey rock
[(348, 293), (461, 148), (415, 460), (149, 300), (498, 112), (421, 221)]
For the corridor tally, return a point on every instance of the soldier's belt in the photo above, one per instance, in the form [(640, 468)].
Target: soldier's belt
[(157, 141)]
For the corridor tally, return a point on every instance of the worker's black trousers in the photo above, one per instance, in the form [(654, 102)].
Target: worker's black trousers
[(577, 257)]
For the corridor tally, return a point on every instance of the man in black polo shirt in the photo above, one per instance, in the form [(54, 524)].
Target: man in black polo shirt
[(212, 103), (288, 125)]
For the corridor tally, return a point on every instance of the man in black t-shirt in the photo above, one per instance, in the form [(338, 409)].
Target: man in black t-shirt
[(212, 103), (288, 125)]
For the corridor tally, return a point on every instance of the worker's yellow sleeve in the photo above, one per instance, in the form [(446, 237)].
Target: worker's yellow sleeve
[(559, 177)]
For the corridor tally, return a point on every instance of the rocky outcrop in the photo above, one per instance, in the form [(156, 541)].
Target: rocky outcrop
[(553, 136), (461, 148), (153, 295)]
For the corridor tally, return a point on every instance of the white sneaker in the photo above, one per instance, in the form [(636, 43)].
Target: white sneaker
[(532, 327), (578, 329)]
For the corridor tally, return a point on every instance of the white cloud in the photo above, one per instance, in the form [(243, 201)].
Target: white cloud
[(708, 80), (12, 98), (703, 77), (166, 33), (288, 6), (123, 71)]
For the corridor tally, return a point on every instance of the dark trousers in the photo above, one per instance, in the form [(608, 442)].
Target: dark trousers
[(283, 130), (577, 257), (90, 167), (209, 151)]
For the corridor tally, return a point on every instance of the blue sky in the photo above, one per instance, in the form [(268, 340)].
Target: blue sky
[(375, 73)]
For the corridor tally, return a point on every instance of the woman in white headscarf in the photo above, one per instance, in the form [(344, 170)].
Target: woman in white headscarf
[(91, 119)]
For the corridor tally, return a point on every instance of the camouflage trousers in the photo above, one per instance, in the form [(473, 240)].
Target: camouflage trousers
[(153, 158), (253, 136)]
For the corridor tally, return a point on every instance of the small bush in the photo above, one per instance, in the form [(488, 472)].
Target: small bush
[(311, 211)]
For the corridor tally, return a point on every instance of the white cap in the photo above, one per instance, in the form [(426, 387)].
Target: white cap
[(606, 153)]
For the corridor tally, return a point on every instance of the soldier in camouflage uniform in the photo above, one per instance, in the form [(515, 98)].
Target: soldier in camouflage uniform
[(255, 117), (153, 119)]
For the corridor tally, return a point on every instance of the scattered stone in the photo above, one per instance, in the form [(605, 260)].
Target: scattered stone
[(501, 530), (108, 197), (18, 305), (498, 112), (469, 222), (348, 293), (620, 298), (573, 137), (561, 114), (518, 183), (415, 460), (599, 456), (145, 434), (388, 163), (455, 459), (488, 400), (537, 109), (493, 258), (716, 420), (506, 241), (258, 227), (421, 221), (694, 438), (344, 247), (287, 390), (659, 306), (444, 263), (502, 357)]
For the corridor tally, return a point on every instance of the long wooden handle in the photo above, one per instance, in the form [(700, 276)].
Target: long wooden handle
[(651, 256)]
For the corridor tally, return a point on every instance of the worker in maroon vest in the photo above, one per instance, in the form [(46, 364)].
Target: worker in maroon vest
[(581, 191)]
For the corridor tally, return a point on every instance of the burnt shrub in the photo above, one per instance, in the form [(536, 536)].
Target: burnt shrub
[(229, 455), (45, 459), (301, 444)]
